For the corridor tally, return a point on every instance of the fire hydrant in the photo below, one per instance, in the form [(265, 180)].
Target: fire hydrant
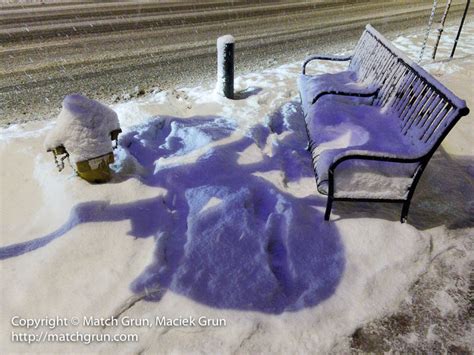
[(84, 132)]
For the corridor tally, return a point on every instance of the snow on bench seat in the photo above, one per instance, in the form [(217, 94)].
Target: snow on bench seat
[(335, 128)]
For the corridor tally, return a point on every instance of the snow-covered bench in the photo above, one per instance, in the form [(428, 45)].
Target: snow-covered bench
[(380, 148)]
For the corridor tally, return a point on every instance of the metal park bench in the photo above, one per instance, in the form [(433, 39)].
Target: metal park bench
[(379, 148)]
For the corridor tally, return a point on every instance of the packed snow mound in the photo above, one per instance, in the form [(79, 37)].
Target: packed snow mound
[(277, 258), (83, 127)]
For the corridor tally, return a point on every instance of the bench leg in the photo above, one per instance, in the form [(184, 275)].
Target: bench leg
[(411, 191), (405, 208), (328, 209)]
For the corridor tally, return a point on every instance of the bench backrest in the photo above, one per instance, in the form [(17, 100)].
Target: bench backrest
[(370, 59), (427, 109)]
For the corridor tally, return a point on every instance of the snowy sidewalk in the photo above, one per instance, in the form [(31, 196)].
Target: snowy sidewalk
[(213, 212)]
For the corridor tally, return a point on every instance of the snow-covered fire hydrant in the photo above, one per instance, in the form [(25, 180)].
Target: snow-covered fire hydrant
[(84, 132)]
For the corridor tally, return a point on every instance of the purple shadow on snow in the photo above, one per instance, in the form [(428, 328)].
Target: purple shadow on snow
[(224, 237)]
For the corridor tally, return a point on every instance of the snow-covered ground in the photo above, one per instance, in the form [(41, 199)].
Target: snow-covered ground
[(213, 212)]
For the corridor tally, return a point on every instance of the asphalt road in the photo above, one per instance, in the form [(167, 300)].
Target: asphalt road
[(105, 49)]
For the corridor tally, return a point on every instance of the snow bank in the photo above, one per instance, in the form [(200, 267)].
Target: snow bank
[(83, 127)]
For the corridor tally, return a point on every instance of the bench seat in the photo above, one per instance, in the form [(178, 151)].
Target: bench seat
[(336, 127)]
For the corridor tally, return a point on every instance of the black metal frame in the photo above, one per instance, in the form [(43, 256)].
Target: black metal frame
[(377, 156), (423, 161), (345, 93), (332, 58)]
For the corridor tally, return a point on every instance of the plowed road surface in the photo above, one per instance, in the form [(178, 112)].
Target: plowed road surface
[(107, 48)]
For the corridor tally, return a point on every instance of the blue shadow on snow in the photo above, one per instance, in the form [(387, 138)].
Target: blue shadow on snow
[(223, 236)]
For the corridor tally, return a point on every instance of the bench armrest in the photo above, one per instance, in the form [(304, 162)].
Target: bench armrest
[(368, 92), (333, 58)]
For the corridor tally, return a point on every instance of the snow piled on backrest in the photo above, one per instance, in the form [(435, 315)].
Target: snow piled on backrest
[(362, 50), (419, 70), (83, 127)]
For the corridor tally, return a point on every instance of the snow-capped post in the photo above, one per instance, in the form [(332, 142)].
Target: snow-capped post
[(225, 66)]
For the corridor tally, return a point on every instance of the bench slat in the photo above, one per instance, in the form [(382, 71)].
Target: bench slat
[(391, 85), (443, 115), (430, 109), (413, 114), (428, 98)]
